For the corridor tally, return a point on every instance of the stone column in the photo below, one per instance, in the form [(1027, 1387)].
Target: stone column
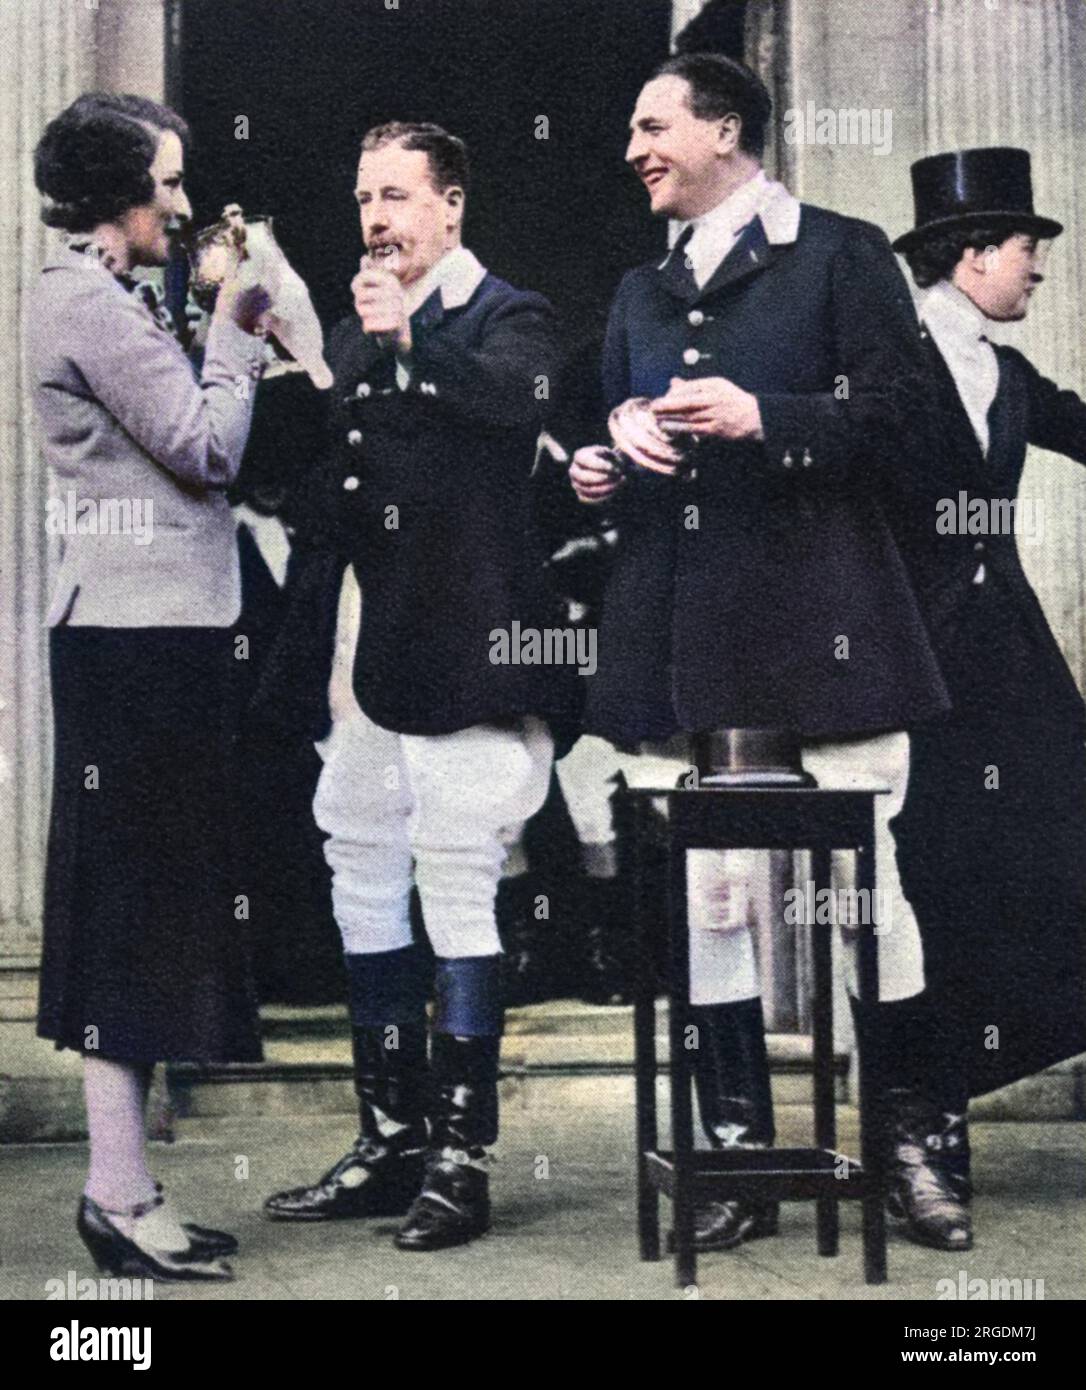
[(1012, 72), (956, 74), (50, 51)]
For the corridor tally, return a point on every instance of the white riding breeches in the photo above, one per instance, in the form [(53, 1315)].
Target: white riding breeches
[(723, 960), (434, 808)]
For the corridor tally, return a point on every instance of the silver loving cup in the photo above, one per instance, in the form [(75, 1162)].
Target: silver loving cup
[(248, 246), (638, 414)]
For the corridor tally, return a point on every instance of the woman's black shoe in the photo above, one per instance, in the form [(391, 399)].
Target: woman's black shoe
[(210, 1241), (118, 1254)]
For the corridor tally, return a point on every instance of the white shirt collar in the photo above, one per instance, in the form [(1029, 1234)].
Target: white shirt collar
[(957, 326), (458, 274), (716, 231), (951, 314), (737, 209)]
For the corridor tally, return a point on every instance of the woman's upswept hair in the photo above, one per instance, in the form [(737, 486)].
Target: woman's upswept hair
[(93, 161), (934, 258)]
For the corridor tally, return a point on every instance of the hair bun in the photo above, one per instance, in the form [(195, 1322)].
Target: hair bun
[(66, 216)]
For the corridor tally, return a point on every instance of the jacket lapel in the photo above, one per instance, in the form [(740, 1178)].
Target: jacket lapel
[(429, 314), (760, 245), (751, 255), (965, 451), (1005, 416)]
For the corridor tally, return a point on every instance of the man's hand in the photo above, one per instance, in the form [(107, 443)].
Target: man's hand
[(711, 406), (636, 433), (593, 475), (380, 304)]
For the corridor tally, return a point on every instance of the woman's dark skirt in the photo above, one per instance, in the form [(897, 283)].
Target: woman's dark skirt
[(146, 951), (992, 848)]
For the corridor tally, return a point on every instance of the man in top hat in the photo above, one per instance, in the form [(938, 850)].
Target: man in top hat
[(756, 583), (992, 840)]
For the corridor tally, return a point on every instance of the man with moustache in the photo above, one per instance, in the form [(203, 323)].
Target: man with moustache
[(418, 548), (756, 583)]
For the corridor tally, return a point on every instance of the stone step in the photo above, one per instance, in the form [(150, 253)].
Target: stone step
[(307, 1066), (553, 1054)]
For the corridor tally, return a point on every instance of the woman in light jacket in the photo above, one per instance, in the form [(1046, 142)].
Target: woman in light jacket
[(144, 957)]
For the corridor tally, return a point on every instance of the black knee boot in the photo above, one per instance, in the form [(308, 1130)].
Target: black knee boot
[(607, 940), (924, 1113), (530, 963), (381, 1172), (453, 1206), (731, 1077), (929, 1186)]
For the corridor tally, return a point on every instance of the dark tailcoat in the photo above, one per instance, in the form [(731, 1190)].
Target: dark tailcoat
[(426, 491), (767, 589), (992, 839)]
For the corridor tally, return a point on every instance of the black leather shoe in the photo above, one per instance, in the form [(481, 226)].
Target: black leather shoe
[(929, 1186), (376, 1178), (724, 1225), (119, 1255), (380, 1175), (206, 1237), (452, 1208), (454, 1204)]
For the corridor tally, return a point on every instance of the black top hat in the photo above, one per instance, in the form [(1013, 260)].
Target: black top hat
[(973, 188)]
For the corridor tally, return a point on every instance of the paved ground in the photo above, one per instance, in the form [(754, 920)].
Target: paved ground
[(564, 1219)]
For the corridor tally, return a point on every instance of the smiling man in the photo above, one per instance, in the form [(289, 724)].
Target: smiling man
[(419, 548), (761, 380)]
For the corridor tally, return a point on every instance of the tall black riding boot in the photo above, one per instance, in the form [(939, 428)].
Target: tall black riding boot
[(731, 1077), (736, 1102), (917, 1053), (453, 1206), (607, 940), (530, 967), (929, 1183), (381, 1172)]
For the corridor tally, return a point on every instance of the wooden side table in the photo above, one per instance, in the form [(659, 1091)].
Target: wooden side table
[(804, 818)]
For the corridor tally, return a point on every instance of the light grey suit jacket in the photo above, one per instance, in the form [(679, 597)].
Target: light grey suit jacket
[(141, 453)]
